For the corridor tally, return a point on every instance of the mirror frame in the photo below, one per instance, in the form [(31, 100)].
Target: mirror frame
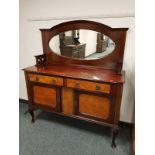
[(113, 61)]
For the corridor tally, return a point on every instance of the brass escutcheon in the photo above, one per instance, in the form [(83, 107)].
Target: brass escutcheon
[(37, 79), (53, 81), (77, 85), (98, 87)]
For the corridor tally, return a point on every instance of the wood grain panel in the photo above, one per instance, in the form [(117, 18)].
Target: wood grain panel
[(67, 100), (95, 106), (87, 85), (46, 79), (45, 96)]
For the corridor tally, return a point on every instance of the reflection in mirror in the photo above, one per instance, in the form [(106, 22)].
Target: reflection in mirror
[(82, 44)]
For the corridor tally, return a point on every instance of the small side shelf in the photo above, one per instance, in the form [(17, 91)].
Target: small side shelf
[(40, 60)]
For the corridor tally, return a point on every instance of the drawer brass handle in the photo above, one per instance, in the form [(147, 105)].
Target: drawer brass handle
[(37, 79), (53, 82), (98, 87), (77, 85)]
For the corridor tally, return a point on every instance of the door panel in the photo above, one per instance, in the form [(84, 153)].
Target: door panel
[(95, 106), (45, 96)]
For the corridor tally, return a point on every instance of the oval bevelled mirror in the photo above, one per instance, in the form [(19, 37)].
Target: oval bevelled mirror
[(82, 44)]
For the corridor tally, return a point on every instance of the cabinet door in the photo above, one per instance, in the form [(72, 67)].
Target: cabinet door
[(94, 106), (47, 97)]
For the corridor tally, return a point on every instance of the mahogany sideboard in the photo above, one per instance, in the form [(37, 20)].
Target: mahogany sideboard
[(90, 90)]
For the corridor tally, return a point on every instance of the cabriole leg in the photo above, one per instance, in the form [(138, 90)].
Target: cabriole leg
[(114, 134), (32, 115)]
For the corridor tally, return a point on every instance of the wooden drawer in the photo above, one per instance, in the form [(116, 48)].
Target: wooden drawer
[(46, 79), (87, 85)]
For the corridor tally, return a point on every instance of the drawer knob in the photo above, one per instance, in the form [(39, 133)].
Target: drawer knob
[(37, 79), (77, 85), (98, 87), (53, 82)]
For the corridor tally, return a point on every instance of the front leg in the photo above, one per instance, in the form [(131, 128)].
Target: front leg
[(32, 115), (114, 134)]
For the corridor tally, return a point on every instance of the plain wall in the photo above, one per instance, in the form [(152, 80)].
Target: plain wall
[(38, 14)]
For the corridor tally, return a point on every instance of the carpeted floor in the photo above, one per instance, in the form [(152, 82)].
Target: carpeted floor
[(56, 135)]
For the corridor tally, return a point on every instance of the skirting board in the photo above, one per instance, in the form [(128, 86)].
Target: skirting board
[(126, 124)]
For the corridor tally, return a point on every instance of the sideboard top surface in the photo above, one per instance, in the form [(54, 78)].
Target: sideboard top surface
[(79, 72)]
